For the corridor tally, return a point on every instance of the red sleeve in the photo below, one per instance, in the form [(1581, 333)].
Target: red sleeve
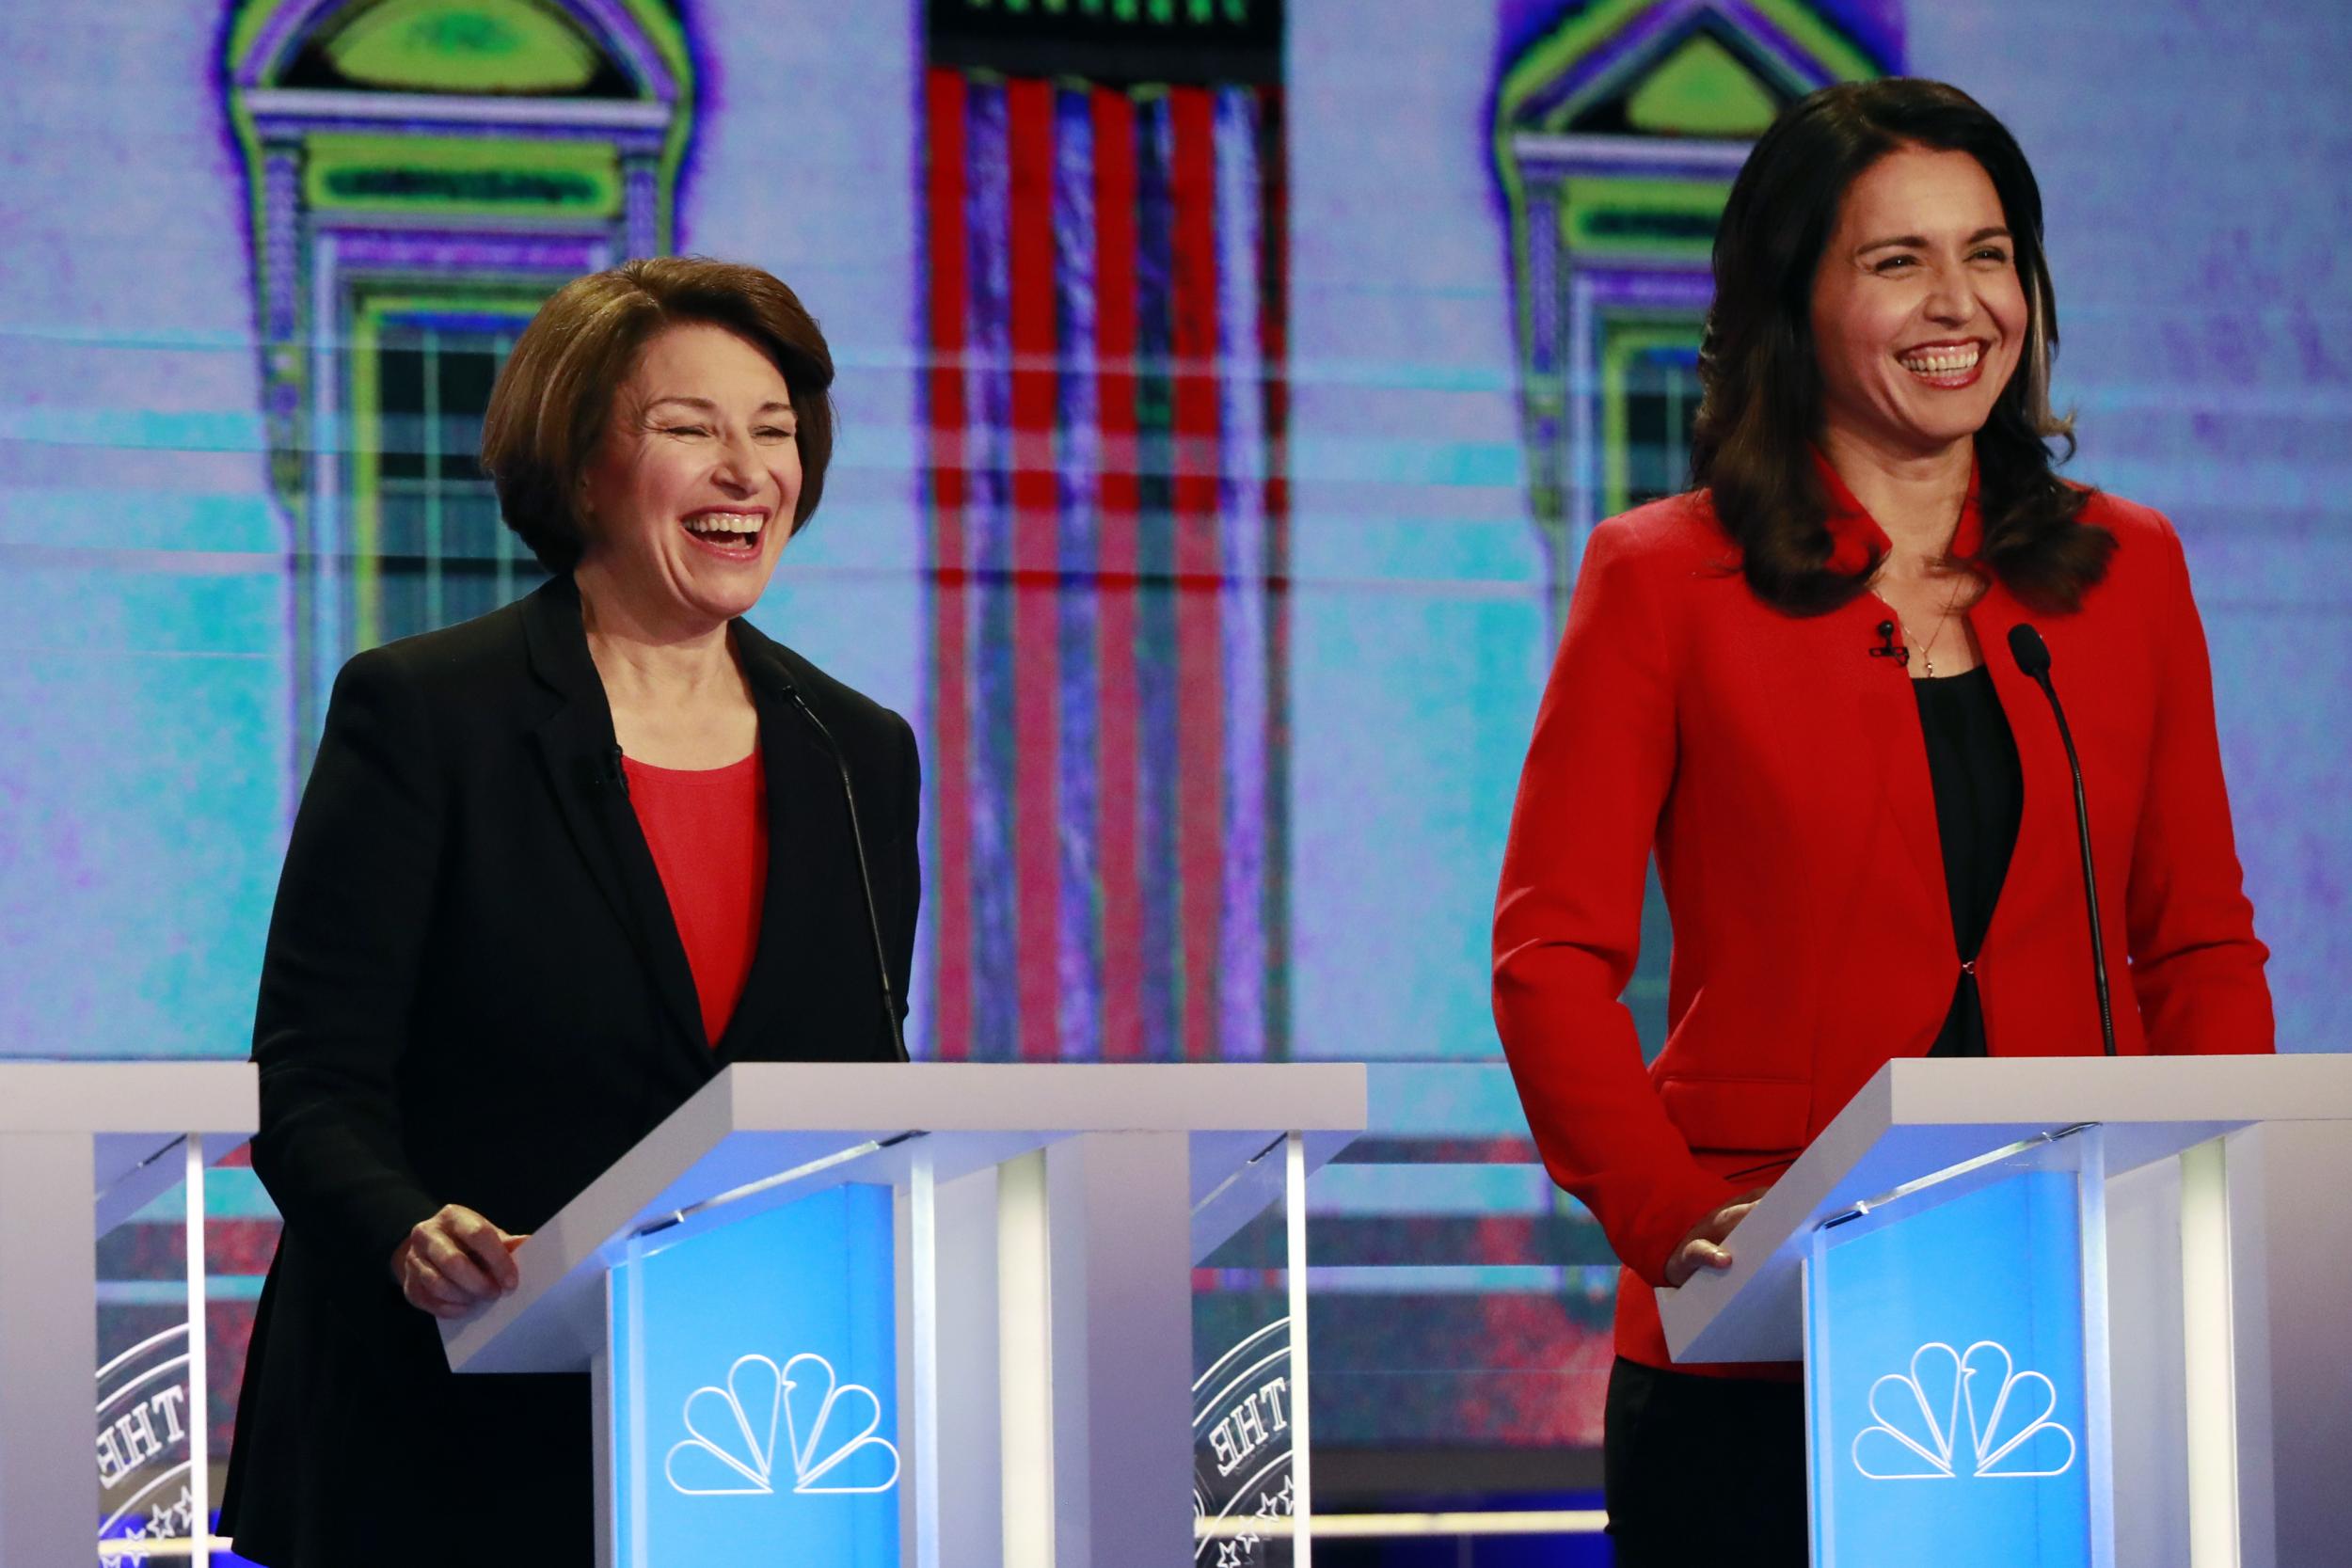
[(1567, 918), (2195, 966)]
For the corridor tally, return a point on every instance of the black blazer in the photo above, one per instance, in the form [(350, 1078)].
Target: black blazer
[(473, 994)]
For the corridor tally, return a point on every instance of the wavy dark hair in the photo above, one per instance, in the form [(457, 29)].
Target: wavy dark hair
[(1761, 384)]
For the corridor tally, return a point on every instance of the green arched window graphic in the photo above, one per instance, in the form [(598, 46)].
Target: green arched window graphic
[(424, 173), (1616, 136), (428, 548), (500, 46)]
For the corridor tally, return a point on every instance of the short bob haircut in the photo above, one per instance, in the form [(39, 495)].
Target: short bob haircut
[(554, 396), (1761, 385)]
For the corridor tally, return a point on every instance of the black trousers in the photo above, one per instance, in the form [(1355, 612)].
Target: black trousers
[(1703, 1472)]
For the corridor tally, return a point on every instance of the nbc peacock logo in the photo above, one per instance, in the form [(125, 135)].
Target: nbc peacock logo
[(730, 1447), (2012, 1429)]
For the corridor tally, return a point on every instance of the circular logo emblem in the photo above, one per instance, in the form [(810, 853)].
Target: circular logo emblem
[(143, 1448), (1241, 1448)]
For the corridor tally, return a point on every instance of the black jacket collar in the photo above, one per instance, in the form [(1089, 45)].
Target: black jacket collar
[(583, 762)]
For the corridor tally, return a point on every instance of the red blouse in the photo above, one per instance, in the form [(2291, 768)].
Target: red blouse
[(707, 829)]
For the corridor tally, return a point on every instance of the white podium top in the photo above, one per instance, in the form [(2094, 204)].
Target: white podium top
[(129, 1097), (830, 1122), (1916, 1118), (133, 1113)]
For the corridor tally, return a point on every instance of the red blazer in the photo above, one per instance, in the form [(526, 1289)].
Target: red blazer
[(1780, 775)]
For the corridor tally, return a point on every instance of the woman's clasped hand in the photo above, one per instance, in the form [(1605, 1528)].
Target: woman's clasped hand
[(455, 1261), (1702, 1246)]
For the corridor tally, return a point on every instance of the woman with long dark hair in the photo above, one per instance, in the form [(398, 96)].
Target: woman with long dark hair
[(1792, 685)]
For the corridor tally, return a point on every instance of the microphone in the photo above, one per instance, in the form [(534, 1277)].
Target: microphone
[(865, 876), (603, 770), (2033, 657), (1888, 647)]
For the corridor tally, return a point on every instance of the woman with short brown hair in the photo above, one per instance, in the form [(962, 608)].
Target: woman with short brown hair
[(553, 396), (553, 868)]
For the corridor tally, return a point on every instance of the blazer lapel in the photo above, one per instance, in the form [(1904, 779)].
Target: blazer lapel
[(581, 760), (1889, 711), (1888, 715)]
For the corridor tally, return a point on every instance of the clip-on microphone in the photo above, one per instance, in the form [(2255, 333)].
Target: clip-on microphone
[(2033, 657)]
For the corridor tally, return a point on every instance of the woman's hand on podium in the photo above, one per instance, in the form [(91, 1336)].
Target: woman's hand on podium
[(454, 1262), (1702, 1246)]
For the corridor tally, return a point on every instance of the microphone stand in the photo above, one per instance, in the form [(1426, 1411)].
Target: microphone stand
[(865, 876), (2033, 657)]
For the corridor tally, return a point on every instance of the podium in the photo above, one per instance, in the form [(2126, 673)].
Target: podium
[(935, 1313), (2051, 1310), (84, 1146)]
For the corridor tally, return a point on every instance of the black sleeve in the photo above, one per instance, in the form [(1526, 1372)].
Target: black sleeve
[(907, 862), (339, 975)]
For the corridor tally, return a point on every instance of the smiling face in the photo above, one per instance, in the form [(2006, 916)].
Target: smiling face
[(1918, 315), (689, 500)]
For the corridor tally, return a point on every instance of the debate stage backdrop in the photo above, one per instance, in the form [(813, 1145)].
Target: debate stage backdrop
[(1226, 388)]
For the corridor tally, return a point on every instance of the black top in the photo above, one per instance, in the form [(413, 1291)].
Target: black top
[(473, 994), (1979, 798)]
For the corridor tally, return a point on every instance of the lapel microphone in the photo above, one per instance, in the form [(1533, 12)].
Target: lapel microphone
[(865, 876), (1888, 647), (600, 771), (2033, 657)]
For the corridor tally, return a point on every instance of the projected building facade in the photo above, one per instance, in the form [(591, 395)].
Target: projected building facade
[(424, 173)]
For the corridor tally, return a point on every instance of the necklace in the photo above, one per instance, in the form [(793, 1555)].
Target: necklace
[(1926, 651)]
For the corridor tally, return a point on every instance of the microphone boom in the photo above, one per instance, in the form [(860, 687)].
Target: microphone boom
[(2033, 659)]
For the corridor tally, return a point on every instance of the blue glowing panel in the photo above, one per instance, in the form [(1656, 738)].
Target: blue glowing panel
[(1948, 1403), (762, 1407)]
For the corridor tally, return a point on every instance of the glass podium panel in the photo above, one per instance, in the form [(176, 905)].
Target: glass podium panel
[(755, 1391), (153, 1454), (1956, 1342), (1463, 1304), (1248, 1423)]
